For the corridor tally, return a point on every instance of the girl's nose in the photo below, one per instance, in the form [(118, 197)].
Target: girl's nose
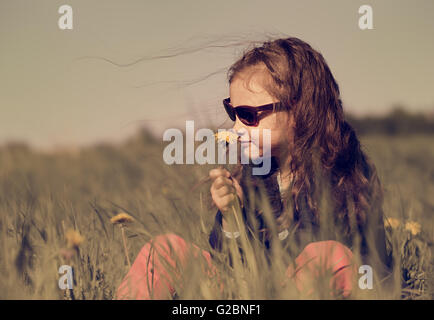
[(239, 125), (242, 131)]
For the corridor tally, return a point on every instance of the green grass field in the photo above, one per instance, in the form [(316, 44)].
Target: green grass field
[(42, 195)]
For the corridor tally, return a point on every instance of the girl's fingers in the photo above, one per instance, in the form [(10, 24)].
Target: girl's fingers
[(222, 181), (226, 200), (223, 202), (221, 187), (225, 190), (215, 173)]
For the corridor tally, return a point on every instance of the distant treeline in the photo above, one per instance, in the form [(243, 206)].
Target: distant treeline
[(397, 122)]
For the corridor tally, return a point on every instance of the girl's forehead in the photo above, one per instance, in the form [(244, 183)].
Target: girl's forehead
[(251, 79), (248, 91), (251, 85)]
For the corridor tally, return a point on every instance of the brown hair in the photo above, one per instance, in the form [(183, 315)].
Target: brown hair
[(298, 76)]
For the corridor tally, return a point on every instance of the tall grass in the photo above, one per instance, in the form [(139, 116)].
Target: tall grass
[(44, 194)]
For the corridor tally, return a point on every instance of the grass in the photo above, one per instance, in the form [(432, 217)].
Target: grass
[(42, 195)]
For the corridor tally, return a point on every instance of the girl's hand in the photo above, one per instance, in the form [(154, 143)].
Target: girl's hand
[(224, 188)]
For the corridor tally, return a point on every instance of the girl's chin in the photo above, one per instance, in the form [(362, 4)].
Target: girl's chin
[(252, 152)]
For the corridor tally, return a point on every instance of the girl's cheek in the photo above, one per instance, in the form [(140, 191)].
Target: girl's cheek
[(251, 146)]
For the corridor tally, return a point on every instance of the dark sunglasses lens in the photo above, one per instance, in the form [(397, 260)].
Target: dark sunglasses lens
[(230, 111), (246, 116)]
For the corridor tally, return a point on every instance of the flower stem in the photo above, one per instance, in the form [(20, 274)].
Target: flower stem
[(124, 240)]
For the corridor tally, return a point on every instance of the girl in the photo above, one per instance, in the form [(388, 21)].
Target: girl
[(313, 149)]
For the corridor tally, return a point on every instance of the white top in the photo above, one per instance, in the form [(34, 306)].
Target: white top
[(282, 235)]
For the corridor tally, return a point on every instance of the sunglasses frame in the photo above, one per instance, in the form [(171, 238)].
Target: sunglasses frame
[(233, 112)]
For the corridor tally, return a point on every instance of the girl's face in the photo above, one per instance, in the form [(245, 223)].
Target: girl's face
[(280, 123)]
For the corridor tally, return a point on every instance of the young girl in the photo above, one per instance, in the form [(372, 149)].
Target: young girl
[(310, 143)]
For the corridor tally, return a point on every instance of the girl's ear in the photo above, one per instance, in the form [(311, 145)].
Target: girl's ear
[(290, 118), (282, 120)]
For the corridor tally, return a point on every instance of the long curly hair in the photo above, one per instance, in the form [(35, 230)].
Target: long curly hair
[(299, 76)]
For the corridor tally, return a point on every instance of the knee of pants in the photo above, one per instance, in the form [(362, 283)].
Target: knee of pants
[(172, 245), (167, 241), (323, 257), (151, 263), (333, 253), (167, 246), (157, 260)]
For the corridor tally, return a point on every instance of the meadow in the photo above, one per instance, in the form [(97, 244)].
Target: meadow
[(44, 195)]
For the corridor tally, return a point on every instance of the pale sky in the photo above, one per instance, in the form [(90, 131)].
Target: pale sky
[(50, 96)]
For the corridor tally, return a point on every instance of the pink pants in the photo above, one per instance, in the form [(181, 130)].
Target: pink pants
[(148, 277)]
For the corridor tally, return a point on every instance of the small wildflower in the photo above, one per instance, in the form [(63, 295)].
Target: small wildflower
[(413, 226), (226, 136), (73, 238), (393, 222), (121, 218), (164, 190)]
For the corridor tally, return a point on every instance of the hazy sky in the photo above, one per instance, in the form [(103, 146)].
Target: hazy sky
[(50, 95)]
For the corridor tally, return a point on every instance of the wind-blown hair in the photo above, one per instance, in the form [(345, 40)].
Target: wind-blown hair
[(299, 76)]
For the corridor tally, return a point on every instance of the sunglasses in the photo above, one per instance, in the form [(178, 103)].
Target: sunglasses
[(249, 115)]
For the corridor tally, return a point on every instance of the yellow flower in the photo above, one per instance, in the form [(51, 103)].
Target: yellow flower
[(121, 218), (73, 238), (393, 222), (164, 190), (413, 226), (226, 136)]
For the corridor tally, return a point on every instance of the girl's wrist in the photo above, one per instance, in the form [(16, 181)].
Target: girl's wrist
[(228, 226)]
